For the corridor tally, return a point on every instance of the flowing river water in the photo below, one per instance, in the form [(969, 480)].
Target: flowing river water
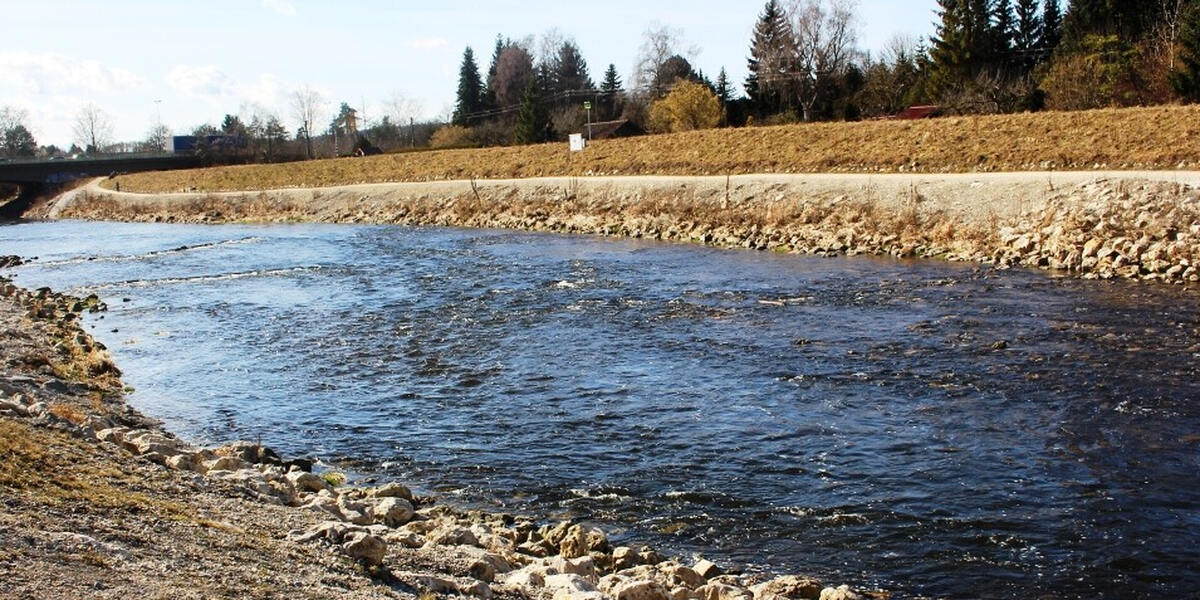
[(934, 429)]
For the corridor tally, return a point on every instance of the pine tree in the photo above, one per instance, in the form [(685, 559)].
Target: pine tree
[(610, 90), (770, 63), (470, 90), (722, 88), (951, 53), (571, 71), (489, 94), (1186, 80), (1028, 26), (531, 120), (1051, 25), (1003, 27)]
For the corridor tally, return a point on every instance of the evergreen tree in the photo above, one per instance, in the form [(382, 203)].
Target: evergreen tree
[(1129, 20), (722, 88), (571, 71), (18, 142), (1027, 27), (770, 63), (1051, 25), (470, 90), (610, 90), (531, 120), (489, 94), (1003, 27), (1186, 80), (953, 49)]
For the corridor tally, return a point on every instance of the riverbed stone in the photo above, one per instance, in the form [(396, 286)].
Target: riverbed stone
[(722, 591), (452, 535), (707, 569), (393, 512), (644, 589), (393, 490), (680, 575), (789, 586), (363, 546), (842, 592)]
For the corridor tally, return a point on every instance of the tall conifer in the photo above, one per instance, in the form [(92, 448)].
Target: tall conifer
[(769, 64), (1186, 80), (1051, 25), (470, 89), (610, 90)]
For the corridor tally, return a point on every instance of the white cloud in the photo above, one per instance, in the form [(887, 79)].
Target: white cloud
[(282, 7), (206, 81), (210, 83), (50, 74), (428, 43)]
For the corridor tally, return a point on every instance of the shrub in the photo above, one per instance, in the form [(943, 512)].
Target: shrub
[(452, 136), (1098, 75), (689, 106)]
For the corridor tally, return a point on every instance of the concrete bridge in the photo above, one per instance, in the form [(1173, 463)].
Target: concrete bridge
[(37, 177)]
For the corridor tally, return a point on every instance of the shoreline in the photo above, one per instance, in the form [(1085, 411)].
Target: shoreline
[(141, 513), (1135, 225)]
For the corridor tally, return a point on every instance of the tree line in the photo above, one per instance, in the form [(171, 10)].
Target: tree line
[(804, 63)]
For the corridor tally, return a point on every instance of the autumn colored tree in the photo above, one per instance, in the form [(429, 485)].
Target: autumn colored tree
[(689, 106)]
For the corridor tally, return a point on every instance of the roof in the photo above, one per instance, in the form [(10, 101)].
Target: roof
[(610, 129), (918, 112)]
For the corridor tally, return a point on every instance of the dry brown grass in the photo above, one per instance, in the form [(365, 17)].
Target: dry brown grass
[(53, 468), (1165, 137)]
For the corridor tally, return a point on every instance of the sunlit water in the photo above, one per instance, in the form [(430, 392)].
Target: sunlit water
[(929, 428)]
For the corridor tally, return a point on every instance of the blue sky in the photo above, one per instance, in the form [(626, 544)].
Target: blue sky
[(201, 60)]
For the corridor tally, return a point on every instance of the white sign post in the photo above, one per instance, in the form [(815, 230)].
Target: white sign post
[(577, 142)]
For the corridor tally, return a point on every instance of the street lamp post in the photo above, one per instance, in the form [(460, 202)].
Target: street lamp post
[(587, 105)]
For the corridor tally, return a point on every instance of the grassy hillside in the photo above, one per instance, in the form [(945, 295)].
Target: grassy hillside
[(1138, 138)]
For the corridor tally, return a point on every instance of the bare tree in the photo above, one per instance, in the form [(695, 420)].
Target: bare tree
[(659, 44), (308, 106), (514, 71), (400, 108), (1168, 29), (157, 138), (825, 44), (11, 117), (92, 129)]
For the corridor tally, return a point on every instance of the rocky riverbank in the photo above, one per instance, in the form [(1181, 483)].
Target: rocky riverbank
[(1093, 228), (101, 502)]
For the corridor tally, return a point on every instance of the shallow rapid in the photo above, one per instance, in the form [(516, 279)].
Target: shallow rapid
[(929, 428)]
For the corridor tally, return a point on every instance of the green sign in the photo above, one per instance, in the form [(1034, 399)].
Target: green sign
[(587, 106)]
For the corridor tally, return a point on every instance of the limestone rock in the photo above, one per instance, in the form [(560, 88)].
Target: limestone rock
[(640, 590), (723, 591), (567, 581), (682, 576), (842, 592), (707, 569), (789, 586), (393, 490), (365, 547), (624, 557), (453, 535), (393, 511), (307, 482), (525, 578), (224, 463)]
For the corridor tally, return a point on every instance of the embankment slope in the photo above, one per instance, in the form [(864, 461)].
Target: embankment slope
[(1154, 138)]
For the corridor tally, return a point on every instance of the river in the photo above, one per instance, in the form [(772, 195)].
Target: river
[(930, 428)]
